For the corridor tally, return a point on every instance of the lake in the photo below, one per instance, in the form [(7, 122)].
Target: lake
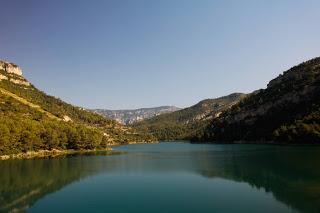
[(167, 177)]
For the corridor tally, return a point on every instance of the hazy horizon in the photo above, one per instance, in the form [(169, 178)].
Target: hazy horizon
[(140, 54)]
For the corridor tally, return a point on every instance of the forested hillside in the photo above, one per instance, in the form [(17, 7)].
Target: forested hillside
[(30, 120), (183, 123), (287, 111)]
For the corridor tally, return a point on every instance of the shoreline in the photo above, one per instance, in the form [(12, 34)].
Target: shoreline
[(271, 143), (51, 153), (59, 152)]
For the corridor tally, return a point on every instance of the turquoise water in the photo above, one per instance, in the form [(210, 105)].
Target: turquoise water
[(167, 177)]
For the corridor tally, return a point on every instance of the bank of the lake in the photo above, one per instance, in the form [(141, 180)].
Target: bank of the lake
[(59, 152), (51, 153)]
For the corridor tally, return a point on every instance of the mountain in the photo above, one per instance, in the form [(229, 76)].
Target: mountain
[(31, 120), (182, 123), (135, 115), (287, 111)]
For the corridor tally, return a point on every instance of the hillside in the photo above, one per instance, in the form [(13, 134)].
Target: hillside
[(135, 115), (287, 111), (181, 124), (31, 120)]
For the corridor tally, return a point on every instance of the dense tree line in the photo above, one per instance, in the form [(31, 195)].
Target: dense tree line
[(306, 129), (25, 129)]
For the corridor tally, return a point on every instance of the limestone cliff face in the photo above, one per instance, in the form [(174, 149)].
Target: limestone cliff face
[(12, 73), (10, 68), (136, 115)]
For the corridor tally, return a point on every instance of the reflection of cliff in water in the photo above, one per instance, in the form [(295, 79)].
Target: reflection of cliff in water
[(291, 174), (23, 182)]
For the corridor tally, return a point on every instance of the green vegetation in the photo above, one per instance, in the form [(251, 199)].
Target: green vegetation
[(286, 112), (306, 129), (183, 123), (30, 120)]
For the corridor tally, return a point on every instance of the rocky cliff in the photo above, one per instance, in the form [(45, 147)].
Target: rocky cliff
[(135, 115), (13, 73), (10, 68)]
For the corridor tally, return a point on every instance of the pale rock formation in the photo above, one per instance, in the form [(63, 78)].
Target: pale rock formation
[(66, 118), (12, 73), (3, 77), (21, 82), (10, 68)]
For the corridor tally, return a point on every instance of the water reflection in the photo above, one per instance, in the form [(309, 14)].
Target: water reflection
[(23, 182), (291, 174)]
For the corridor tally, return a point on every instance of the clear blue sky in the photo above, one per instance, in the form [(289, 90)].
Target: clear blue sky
[(142, 53)]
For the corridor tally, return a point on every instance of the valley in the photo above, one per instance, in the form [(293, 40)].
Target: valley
[(287, 111)]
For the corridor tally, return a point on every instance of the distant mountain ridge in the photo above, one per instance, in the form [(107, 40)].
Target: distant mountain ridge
[(131, 116), (182, 123)]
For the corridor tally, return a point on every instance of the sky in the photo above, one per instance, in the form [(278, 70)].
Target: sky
[(123, 54)]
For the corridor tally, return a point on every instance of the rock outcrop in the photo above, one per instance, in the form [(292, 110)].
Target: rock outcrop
[(10, 68), (13, 73), (136, 115)]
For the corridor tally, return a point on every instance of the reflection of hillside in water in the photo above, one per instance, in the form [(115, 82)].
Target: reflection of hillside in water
[(291, 174), (23, 182)]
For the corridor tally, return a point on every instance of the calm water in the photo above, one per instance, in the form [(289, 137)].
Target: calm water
[(167, 177)]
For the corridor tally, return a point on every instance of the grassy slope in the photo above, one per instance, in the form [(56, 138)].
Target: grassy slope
[(27, 103)]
